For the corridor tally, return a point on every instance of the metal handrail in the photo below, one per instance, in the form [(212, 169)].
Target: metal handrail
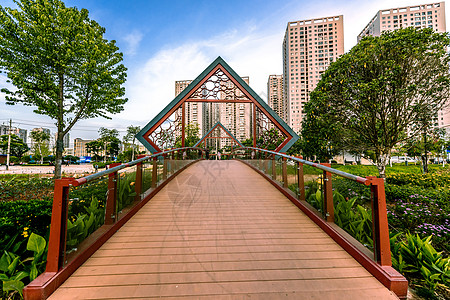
[(359, 179), (83, 180)]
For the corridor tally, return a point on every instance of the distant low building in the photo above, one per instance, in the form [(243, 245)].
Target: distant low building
[(79, 147), (69, 151)]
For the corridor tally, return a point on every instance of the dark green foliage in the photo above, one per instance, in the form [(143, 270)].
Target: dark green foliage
[(16, 270), (349, 215), (417, 258), (81, 197), (24, 217), (191, 136), (126, 192), (18, 147), (84, 223)]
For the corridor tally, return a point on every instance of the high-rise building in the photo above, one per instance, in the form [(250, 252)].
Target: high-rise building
[(233, 116), (309, 47), (21, 133), (79, 147), (275, 94), (418, 16), (193, 110), (66, 140)]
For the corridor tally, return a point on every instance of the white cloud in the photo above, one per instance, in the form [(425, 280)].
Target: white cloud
[(133, 40), (151, 87)]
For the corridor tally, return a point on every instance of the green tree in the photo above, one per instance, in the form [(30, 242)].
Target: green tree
[(94, 147), (110, 140), (192, 131), (383, 86), (270, 139), (130, 138), (18, 147), (40, 144), (59, 61), (320, 138)]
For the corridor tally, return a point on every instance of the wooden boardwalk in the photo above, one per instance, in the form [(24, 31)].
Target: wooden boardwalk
[(221, 231)]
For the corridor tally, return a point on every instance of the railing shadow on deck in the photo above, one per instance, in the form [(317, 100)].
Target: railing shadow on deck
[(288, 174), (87, 211)]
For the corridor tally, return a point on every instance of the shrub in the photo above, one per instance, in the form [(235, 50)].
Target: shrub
[(423, 216), (18, 187), (24, 217), (18, 270), (395, 192), (428, 180), (416, 257)]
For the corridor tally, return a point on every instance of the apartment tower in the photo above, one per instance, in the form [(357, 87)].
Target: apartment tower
[(275, 94), (309, 47), (418, 16)]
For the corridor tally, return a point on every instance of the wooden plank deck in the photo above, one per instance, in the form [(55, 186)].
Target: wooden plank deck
[(221, 231)]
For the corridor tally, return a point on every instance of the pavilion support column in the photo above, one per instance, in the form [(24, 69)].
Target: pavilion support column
[(183, 123), (254, 125)]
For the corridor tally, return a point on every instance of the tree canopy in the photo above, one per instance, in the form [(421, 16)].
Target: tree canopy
[(192, 131), (60, 63), (40, 146), (18, 147), (130, 138), (110, 140), (375, 93)]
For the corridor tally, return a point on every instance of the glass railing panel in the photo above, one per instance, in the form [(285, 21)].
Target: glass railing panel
[(147, 168), (314, 189), (353, 209), (126, 192), (86, 213), (292, 176)]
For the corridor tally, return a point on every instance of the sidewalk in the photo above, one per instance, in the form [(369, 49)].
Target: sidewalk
[(71, 169)]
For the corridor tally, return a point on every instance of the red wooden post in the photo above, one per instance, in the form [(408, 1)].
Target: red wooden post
[(300, 182), (380, 228), (154, 172), (111, 200), (183, 123), (285, 179), (254, 125), (328, 205), (138, 184), (58, 228)]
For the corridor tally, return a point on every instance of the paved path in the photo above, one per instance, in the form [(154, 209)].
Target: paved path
[(71, 169), (221, 231)]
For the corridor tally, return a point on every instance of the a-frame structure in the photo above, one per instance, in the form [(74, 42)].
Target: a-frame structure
[(218, 83), (208, 135)]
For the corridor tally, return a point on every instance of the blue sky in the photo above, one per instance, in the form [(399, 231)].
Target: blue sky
[(164, 41)]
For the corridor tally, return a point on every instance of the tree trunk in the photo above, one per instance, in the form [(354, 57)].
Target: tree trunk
[(60, 129), (425, 155), (59, 154), (40, 152), (382, 160)]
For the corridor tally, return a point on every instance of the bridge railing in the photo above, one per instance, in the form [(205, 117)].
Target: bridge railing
[(87, 211), (355, 217), (312, 183)]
